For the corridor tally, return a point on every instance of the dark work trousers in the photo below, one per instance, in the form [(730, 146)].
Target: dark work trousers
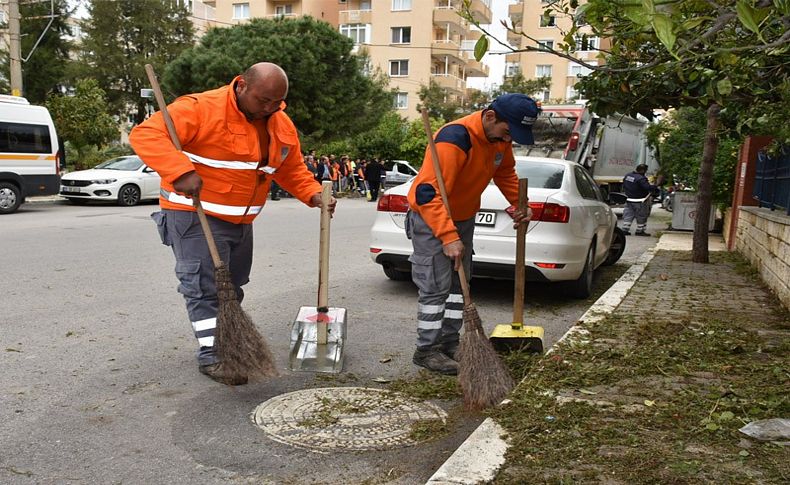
[(374, 190), (181, 231), (440, 303)]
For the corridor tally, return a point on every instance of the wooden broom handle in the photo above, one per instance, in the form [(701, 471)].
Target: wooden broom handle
[(426, 121), (323, 252), (171, 129), (521, 245)]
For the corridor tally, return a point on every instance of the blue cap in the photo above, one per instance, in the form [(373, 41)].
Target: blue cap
[(520, 111)]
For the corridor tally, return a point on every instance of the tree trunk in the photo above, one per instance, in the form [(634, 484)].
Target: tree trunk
[(699, 251)]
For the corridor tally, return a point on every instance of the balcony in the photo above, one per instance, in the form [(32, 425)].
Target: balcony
[(450, 82), (448, 16), (447, 48), (514, 39), (513, 57), (280, 16), (355, 17), (211, 3), (473, 35), (476, 69), (516, 12), (480, 11)]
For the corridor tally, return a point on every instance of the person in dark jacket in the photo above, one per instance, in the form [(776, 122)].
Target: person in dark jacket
[(639, 193), (373, 175)]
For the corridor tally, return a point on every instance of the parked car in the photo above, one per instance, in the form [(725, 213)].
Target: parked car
[(124, 180), (573, 230), (398, 172)]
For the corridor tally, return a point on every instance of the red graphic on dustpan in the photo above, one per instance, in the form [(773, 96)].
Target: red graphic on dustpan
[(319, 317)]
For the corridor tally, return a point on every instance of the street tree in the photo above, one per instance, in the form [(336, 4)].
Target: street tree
[(121, 37), (44, 48), (330, 93), (730, 56), (83, 119), (518, 83)]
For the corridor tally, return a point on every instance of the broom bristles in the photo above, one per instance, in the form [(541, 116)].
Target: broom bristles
[(483, 377), (242, 350)]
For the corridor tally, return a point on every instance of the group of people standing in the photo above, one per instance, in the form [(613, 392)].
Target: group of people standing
[(363, 176)]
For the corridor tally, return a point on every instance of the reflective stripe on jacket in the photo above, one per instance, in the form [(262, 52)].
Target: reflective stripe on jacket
[(224, 149), (468, 162)]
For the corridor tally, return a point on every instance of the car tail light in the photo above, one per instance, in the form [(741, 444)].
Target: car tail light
[(550, 265), (375, 250), (573, 143), (393, 203), (57, 163), (549, 212)]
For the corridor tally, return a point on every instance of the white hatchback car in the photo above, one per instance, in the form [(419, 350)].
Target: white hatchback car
[(572, 231), (124, 180)]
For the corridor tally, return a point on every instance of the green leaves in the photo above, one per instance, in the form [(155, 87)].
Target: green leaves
[(724, 87), (748, 17), (663, 27), (481, 47)]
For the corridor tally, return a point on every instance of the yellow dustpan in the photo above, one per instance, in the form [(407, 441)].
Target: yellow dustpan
[(516, 335)]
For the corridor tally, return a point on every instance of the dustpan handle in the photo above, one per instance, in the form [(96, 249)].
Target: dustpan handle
[(171, 129), (323, 252), (521, 246), (426, 122)]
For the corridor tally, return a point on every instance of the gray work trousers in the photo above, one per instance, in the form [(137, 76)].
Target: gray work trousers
[(638, 210), (440, 302), (181, 231)]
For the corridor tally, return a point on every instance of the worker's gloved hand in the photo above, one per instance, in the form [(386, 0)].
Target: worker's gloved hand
[(315, 201), (518, 216), (455, 251), (188, 184)]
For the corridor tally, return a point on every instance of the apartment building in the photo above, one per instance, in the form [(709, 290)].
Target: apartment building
[(527, 16), (410, 41)]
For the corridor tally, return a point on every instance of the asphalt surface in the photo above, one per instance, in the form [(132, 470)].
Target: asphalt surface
[(99, 382)]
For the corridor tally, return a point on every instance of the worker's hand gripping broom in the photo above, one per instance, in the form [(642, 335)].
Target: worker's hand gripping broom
[(241, 349), (483, 377)]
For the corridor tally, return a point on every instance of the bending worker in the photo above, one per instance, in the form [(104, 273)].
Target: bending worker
[(236, 140), (472, 151)]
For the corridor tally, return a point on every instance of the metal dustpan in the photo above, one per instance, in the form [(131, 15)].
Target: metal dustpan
[(319, 332), (516, 335)]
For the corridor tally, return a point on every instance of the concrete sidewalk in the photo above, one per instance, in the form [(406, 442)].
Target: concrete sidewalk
[(479, 458)]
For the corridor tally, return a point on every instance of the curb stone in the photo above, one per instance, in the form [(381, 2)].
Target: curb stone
[(482, 454)]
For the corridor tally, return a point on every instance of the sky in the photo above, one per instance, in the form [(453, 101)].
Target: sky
[(495, 62)]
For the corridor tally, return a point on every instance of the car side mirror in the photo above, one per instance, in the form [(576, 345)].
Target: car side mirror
[(148, 170), (617, 198)]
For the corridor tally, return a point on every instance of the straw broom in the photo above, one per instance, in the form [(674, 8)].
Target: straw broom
[(242, 350), (483, 377)]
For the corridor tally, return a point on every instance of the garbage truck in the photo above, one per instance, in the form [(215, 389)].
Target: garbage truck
[(608, 147)]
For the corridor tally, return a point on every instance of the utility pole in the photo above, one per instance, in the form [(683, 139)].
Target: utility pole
[(15, 47)]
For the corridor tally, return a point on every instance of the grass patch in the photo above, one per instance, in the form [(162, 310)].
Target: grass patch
[(426, 386), (651, 400)]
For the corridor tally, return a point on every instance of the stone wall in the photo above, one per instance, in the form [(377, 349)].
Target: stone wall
[(763, 237)]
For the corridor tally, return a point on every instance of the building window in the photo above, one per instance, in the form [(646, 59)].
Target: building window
[(241, 11), (512, 68), (401, 35), (544, 95), (585, 43), (543, 70), (399, 67), (356, 32), (283, 10), (576, 70), (401, 100), (401, 5), (571, 93), (545, 45), (547, 21)]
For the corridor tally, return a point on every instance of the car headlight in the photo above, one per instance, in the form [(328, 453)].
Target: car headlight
[(103, 181)]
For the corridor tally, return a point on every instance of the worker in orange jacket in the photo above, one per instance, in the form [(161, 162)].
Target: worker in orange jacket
[(472, 151), (235, 141)]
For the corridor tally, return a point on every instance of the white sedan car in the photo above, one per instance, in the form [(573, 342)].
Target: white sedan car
[(124, 180), (572, 231)]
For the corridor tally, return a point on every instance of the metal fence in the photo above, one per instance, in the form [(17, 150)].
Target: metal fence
[(772, 180)]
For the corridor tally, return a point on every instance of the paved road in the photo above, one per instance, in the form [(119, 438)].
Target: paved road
[(99, 383)]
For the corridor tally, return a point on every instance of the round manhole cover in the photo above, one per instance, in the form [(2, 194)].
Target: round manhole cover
[(343, 419)]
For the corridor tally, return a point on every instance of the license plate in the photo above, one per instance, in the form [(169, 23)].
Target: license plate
[(485, 218), (70, 189)]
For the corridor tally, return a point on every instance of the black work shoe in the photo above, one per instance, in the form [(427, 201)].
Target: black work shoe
[(641, 233), (435, 361), (448, 348), (627, 233), (216, 372)]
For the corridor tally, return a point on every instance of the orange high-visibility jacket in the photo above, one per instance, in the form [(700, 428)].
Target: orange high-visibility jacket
[(224, 148), (468, 162)]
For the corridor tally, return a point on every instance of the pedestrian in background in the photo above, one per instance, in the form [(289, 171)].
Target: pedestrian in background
[(472, 151), (373, 177), (260, 149)]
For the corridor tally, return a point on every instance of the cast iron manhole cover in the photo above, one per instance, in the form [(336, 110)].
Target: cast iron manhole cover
[(343, 419)]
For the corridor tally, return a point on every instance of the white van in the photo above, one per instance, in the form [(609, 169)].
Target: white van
[(29, 153)]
